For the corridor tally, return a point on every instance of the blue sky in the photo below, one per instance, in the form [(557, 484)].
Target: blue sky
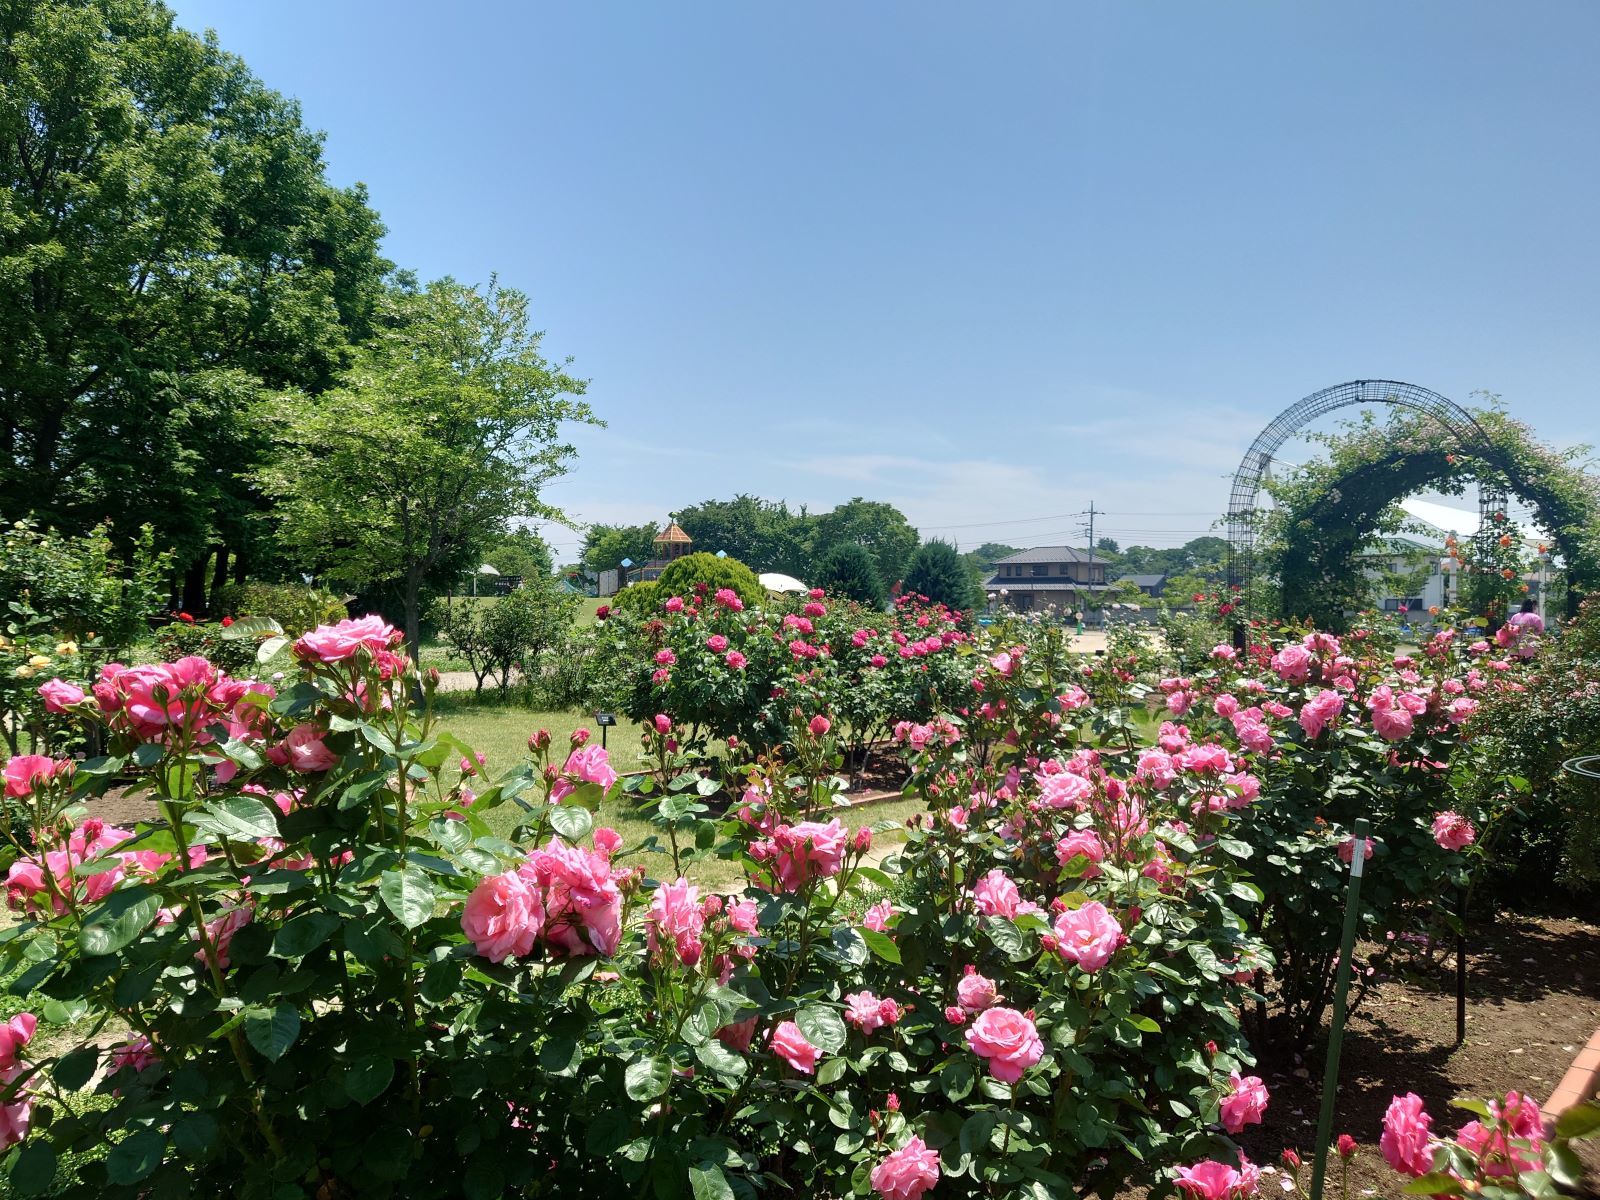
[(989, 262)]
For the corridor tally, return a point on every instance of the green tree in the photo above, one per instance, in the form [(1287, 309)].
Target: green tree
[(443, 431), (880, 529), (848, 571), (520, 552), (168, 246), (605, 546), (764, 534), (938, 573), (1107, 545), (508, 633)]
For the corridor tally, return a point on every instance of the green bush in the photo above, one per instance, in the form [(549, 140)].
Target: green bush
[(183, 640), (639, 598), (938, 573), (849, 572), (291, 605), (681, 578), (509, 633)]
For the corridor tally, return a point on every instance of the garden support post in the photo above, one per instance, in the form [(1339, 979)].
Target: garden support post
[(1461, 965), (1341, 985)]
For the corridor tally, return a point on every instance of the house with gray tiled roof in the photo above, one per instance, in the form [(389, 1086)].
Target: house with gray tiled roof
[(1046, 577)]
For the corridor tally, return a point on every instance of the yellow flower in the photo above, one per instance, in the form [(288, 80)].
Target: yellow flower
[(25, 672), (39, 662), (66, 649)]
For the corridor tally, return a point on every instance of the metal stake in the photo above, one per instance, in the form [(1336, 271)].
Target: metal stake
[(1341, 985), (1461, 965)]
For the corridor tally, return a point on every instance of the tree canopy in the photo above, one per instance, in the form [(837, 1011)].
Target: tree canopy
[(878, 528), (938, 573), (763, 533), (605, 546), (444, 429)]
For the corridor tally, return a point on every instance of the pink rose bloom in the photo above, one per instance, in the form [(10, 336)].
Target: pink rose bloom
[(808, 851), (1088, 936), (15, 1034), (996, 895), (1065, 790), (1206, 758), (1157, 769), (1293, 664), (1347, 850), (592, 765), (907, 1173), (582, 902), (1453, 831), (1179, 703), (17, 1115), (865, 1011), (789, 1044), (1319, 710), (607, 840), (675, 916), (59, 695), (1496, 1153), (674, 604), (729, 599), (662, 723), (503, 917), (221, 930), (23, 771), (1245, 1104), (735, 660), (135, 1054), (877, 917), (1212, 1180), (975, 993), (1460, 709), (665, 657), (716, 643), (744, 915), (336, 643), (737, 1036), (1002, 663), (306, 751), (1082, 843), (819, 725), (1008, 1040), (1406, 1142)]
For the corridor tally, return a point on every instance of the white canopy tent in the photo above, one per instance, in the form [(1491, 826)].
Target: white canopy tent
[(775, 582)]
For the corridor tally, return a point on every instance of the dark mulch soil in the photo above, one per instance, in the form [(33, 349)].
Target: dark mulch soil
[(1533, 1001)]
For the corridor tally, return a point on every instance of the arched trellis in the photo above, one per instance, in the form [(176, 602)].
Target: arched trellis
[(1460, 425)]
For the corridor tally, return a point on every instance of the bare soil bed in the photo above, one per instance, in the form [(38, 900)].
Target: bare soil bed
[(1533, 1001)]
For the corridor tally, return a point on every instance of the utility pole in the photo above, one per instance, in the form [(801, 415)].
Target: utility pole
[(1091, 515)]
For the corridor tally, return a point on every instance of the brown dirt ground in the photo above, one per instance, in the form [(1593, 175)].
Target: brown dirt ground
[(1533, 1000)]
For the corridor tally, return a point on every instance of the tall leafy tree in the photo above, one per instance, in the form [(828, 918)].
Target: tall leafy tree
[(880, 529), (168, 246), (445, 428), (764, 534), (605, 546), (938, 573)]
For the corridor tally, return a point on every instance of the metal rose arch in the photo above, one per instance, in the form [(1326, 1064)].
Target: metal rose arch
[(1457, 423)]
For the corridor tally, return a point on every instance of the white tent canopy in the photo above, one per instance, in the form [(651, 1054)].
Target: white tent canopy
[(774, 582), (486, 569)]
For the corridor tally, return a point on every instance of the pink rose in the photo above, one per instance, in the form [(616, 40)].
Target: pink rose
[(337, 643), (1212, 1180), (17, 1114), (1245, 1104), (735, 660), (607, 840), (789, 1044), (674, 604), (306, 751), (503, 917), (221, 930), (675, 916), (23, 771), (1497, 1155), (907, 1173), (728, 599), (877, 917), (59, 695), (819, 726), (1008, 1040), (716, 643), (1065, 790), (136, 1054), (1088, 936), (15, 1034), (1406, 1142), (663, 723), (744, 915), (592, 765), (975, 993), (1082, 843), (1453, 831), (1347, 850), (865, 1012), (996, 895), (1293, 664)]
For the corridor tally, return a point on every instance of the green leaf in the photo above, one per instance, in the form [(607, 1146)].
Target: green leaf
[(35, 1169), (1564, 1165), (367, 1077), (831, 1071), (73, 1070), (273, 1033), (270, 647), (707, 1182), (1579, 1121), (722, 1060), (570, 822), (147, 754), (823, 1027), (882, 945), (1436, 1184), (250, 627), (136, 1156), (607, 1132), (125, 914), (238, 818), (408, 893), (956, 1080), (646, 1078), (193, 1134), (304, 934)]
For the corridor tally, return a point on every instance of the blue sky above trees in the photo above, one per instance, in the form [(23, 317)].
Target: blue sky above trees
[(984, 264)]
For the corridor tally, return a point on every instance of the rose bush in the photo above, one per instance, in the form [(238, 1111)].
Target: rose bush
[(328, 975)]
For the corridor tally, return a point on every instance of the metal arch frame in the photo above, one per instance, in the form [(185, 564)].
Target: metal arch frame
[(1247, 479)]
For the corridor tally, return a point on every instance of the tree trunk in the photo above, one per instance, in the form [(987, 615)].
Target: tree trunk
[(194, 586), (412, 595), (219, 580), (239, 568)]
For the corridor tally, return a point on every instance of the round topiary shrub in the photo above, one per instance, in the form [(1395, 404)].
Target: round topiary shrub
[(637, 598), (848, 571), (680, 578)]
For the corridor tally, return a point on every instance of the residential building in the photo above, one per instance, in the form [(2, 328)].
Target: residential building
[(1150, 585), (1047, 577)]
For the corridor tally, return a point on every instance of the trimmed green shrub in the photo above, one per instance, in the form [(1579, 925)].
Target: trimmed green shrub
[(847, 570), (294, 607), (680, 578), (938, 573), (637, 598)]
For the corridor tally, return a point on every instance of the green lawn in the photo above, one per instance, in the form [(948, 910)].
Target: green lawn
[(500, 733)]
